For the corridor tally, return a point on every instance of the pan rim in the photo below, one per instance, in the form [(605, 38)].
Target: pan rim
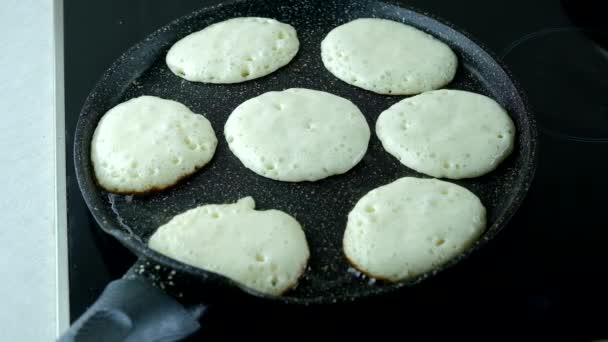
[(139, 248)]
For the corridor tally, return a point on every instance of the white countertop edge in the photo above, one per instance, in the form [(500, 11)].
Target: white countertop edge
[(61, 251)]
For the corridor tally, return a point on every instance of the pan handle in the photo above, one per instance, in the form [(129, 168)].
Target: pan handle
[(132, 309)]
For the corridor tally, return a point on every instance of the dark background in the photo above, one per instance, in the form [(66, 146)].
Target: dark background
[(541, 279)]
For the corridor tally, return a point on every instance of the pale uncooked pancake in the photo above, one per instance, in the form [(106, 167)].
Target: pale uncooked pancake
[(388, 57), (148, 143), (447, 133), (411, 226), (297, 135), (264, 250), (235, 50)]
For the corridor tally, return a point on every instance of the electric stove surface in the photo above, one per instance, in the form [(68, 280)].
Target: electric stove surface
[(541, 278)]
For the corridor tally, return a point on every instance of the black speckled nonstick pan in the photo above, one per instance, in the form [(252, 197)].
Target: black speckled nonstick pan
[(321, 207)]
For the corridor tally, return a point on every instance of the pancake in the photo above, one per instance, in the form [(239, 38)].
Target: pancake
[(387, 57), (297, 135), (411, 226), (263, 250), (235, 50), (148, 143), (447, 133)]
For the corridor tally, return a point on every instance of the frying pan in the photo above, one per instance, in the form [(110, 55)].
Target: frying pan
[(145, 303)]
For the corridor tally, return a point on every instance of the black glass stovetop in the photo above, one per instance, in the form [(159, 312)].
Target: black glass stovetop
[(542, 278)]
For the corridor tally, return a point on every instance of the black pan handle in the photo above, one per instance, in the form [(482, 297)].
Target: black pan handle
[(131, 309)]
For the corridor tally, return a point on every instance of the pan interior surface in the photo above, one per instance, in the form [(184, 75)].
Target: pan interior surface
[(321, 207)]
